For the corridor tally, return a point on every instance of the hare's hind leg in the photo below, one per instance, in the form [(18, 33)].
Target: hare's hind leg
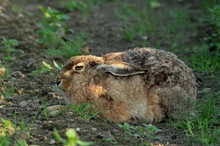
[(176, 103)]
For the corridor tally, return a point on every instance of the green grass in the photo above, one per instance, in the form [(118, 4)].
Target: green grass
[(47, 68), (82, 7), (44, 68), (84, 110), (153, 21), (204, 127), (204, 61), (145, 132), (144, 22)]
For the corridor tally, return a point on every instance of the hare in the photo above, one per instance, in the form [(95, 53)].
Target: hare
[(141, 83)]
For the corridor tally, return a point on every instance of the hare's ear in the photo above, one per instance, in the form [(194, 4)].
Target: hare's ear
[(120, 69)]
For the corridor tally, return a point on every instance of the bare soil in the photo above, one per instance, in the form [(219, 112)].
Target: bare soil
[(33, 91)]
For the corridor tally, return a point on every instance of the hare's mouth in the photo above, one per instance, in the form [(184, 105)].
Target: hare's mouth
[(58, 86)]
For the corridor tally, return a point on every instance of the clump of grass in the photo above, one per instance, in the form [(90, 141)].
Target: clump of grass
[(144, 22), (72, 138), (47, 67), (145, 132), (84, 110), (203, 128), (204, 61), (7, 90)]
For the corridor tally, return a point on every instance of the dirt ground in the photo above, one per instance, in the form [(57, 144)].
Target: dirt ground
[(32, 91)]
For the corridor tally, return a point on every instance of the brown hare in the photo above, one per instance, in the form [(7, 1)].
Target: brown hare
[(142, 83)]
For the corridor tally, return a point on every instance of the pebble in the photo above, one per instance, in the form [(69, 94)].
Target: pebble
[(54, 113), (17, 74), (70, 113), (20, 91), (105, 135), (45, 138), (52, 141), (78, 129), (23, 103), (94, 129), (29, 63)]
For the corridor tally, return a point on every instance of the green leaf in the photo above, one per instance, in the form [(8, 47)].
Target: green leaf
[(48, 66), (155, 4)]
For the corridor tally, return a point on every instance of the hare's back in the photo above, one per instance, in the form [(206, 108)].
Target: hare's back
[(162, 68)]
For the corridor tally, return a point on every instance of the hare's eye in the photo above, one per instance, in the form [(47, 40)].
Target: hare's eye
[(78, 68)]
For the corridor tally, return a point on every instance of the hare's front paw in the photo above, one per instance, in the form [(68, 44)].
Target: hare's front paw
[(55, 109)]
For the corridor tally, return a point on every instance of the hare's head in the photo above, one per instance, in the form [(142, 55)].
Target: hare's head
[(80, 69), (76, 71)]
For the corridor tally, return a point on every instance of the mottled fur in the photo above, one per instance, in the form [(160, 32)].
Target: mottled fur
[(142, 83)]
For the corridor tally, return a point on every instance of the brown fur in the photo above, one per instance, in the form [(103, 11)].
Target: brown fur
[(144, 83)]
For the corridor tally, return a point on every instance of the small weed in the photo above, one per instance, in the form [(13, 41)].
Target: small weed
[(45, 110), (53, 17), (72, 138), (54, 27), (7, 131), (144, 133), (45, 67), (53, 33), (9, 45)]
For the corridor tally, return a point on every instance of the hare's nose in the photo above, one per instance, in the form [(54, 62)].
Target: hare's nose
[(58, 83)]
